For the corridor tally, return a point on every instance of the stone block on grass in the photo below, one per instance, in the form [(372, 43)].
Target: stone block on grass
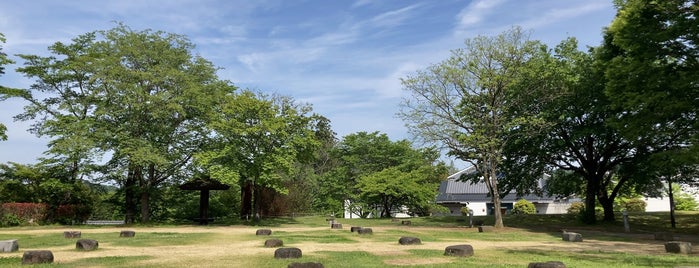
[(406, 223), (336, 226), (678, 247), (407, 240), (572, 237), (37, 256), (354, 228), (287, 253), (273, 243), (365, 231), (305, 265), (127, 234), (548, 264), (72, 234), (263, 232), (485, 229), (459, 250), (86, 244), (9, 245)]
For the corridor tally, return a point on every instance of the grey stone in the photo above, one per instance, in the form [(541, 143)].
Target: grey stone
[(37, 256), (273, 243), (9, 245), (286, 253), (572, 237), (263, 232), (678, 247), (72, 234), (127, 234), (459, 250), (305, 265), (86, 244), (354, 228), (364, 231), (336, 226), (548, 264), (485, 229), (406, 223), (407, 240)]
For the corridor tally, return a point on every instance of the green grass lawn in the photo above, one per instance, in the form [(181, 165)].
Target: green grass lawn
[(238, 246)]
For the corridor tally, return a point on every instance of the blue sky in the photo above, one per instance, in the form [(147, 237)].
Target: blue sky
[(345, 58)]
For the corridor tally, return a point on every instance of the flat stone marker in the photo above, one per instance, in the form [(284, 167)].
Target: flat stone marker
[(263, 232), (127, 234), (572, 237), (354, 228), (664, 236), (365, 231), (336, 226), (459, 250), (406, 223), (485, 229), (273, 243), (305, 265), (9, 245), (678, 247), (86, 244), (72, 234), (548, 264), (286, 253), (407, 240), (37, 256)]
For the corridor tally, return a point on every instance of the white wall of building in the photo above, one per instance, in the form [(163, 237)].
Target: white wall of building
[(657, 204)]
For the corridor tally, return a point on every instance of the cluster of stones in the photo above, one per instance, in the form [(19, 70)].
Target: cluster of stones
[(286, 252), (46, 256)]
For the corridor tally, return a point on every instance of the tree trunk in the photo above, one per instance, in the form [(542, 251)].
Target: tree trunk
[(608, 206), (130, 195), (672, 204), (496, 199), (590, 197), (256, 201), (246, 200), (145, 205)]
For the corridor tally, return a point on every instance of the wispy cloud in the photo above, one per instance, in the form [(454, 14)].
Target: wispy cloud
[(557, 14), (475, 12)]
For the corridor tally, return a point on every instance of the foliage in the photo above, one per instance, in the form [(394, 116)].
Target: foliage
[(258, 141), (576, 208), (470, 102), (4, 60), (683, 200), (465, 211), (523, 206), (375, 173), (24, 212), (632, 204)]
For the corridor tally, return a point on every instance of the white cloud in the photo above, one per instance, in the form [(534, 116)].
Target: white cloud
[(558, 14), (475, 12)]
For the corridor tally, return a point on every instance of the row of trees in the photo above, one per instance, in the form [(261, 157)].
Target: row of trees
[(136, 109), (619, 115)]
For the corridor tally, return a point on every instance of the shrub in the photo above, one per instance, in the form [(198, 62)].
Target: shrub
[(25, 212), (465, 211), (633, 205), (576, 208), (523, 206), (8, 219)]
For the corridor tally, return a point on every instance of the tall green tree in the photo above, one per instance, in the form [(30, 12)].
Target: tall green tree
[(4, 60), (259, 139), (651, 60), (374, 173), (466, 102), (140, 97)]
